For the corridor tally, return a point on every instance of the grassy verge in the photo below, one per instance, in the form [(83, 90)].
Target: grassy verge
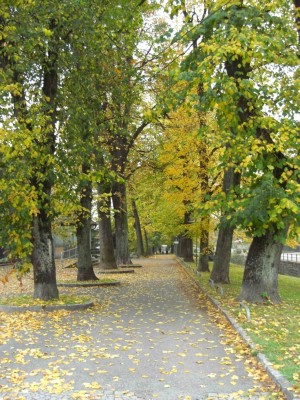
[(273, 328), (27, 300)]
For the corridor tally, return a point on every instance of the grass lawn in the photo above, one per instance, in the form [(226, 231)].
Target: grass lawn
[(273, 328)]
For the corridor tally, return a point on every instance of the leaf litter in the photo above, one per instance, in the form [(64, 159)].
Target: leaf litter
[(84, 352)]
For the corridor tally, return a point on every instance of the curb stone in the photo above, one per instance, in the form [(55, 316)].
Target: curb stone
[(70, 307), (83, 285), (275, 375), (116, 271)]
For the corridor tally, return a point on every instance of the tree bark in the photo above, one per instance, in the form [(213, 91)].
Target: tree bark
[(187, 248), (238, 69), (138, 230), (42, 258), (148, 251), (107, 251), (85, 269), (186, 242), (260, 280), (220, 271), (121, 223), (180, 252), (203, 265)]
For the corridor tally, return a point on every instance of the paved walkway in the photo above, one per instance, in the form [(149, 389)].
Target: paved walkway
[(152, 337)]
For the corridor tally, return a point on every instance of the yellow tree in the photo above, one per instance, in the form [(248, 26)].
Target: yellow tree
[(185, 158)]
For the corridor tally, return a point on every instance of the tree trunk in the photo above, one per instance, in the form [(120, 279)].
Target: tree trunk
[(180, 252), (187, 248), (42, 259), (107, 251), (220, 272), (138, 230), (42, 256), (85, 269), (260, 281), (237, 68), (148, 252), (121, 223), (186, 242), (203, 265)]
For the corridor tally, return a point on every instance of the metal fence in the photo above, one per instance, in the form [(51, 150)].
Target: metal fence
[(293, 257), (71, 253)]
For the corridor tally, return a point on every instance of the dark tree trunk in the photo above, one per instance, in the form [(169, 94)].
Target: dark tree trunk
[(148, 252), (85, 269), (220, 271), (138, 230), (42, 258), (236, 68), (203, 265), (120, 145), (107, 251), (121, 223), (186, 243), (260, 281), (179, 246), (42, 255), (187, 249)]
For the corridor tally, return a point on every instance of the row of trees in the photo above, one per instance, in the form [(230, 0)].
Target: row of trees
[(247, 74), (238, 82), (100, 99), (71, 109)]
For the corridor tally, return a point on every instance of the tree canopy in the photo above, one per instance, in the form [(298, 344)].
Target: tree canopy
[(189, 108)]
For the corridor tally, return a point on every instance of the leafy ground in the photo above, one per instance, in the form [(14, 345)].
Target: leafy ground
[(154, 334), (22, 286), (25, 300), (273, 328)]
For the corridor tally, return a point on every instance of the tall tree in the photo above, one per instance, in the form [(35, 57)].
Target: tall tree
[(30, 85), (123, 107), (180, 161), (89, 79), (240, 53)]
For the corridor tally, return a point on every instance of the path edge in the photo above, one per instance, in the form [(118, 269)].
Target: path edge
[(275, 375), (68, 307)]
